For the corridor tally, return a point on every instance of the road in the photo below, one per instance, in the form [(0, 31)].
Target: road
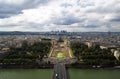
[(59, 71)]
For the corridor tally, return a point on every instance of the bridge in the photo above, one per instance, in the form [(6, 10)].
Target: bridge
[(59, 71)]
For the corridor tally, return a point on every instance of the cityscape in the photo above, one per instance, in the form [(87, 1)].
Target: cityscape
[(59, 39), (59, 50)]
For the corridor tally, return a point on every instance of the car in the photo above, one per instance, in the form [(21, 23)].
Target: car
[(56, 75)]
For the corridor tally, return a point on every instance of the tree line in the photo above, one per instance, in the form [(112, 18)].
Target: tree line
[(93, 55), (27, 54)]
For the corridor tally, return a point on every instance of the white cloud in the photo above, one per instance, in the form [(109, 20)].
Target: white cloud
[(70, 15)]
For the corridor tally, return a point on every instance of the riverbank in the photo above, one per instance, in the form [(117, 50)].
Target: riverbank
[(27, 66), (94, 66), (51, 66)]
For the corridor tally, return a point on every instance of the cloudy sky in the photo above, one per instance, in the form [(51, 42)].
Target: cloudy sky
[(70, 15)]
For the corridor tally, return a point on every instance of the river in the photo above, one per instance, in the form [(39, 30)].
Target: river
[(47, 73)]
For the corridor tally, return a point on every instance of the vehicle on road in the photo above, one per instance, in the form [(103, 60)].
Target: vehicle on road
[(56, 75)]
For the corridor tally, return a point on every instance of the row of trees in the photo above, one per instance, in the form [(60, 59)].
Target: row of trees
[(93, 55), (27, 54)]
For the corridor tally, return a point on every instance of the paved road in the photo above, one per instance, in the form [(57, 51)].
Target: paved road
[(59, 71)]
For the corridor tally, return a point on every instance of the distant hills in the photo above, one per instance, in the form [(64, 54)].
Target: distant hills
[(40, 33), (19, 33)]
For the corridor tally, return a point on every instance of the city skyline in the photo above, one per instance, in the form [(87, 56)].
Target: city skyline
[(69, 15)]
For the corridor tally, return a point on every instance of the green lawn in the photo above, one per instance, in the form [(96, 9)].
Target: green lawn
[(60, 54)]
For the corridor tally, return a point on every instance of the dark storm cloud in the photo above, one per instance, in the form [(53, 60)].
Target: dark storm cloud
[(8, 9)]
